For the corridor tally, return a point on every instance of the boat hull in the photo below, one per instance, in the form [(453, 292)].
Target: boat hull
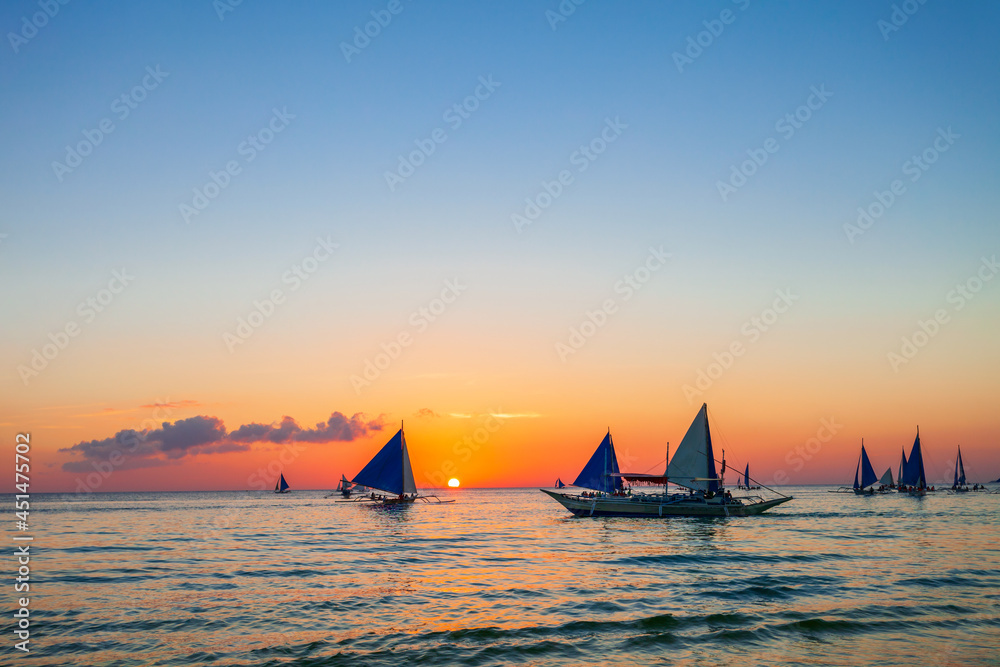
[(653, 507)]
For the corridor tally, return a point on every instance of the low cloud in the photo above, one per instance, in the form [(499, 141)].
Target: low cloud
[(186, 403), (426, 413), (208, 435)]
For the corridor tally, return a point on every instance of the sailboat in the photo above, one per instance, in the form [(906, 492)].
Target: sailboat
[(281, 486), (959, 486), (745, 482), (864, 477), (390, 472), (346, 489), (692, 467), (886, 481), (913, 481), (559, 483), (866, 471)]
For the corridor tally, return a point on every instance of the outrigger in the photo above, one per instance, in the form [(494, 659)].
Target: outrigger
[(692, 467)]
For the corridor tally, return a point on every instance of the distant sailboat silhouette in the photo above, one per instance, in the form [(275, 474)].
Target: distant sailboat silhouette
[(960, 484), (281, 486), (865, 477), (913, 480), (559, 483), (864, 474)]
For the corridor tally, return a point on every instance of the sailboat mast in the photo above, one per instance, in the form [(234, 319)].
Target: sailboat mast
[(666, 473), (605, 480)]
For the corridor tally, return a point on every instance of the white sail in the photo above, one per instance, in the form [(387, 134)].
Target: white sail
[(693, 465), (409, 486), (886, 478)]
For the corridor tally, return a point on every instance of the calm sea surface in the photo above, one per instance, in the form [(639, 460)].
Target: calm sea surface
[(506, 577)]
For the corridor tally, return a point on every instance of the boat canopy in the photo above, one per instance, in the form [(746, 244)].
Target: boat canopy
[(390, 470), (866, 471), (601, 471)]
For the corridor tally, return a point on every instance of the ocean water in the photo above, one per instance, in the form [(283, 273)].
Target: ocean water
[(507, 577)]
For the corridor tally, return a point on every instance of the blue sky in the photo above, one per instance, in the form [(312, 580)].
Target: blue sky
[(324, 174)]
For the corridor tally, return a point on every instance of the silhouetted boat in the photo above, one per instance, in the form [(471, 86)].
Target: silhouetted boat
[(559, 483), (345, 489), (864, 477), (390, 472), (913, 481), (960, 486), (744, 483), (867, 477), (692, 467), (281, 486)]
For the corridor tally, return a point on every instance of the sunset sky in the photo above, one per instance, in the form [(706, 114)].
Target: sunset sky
[(547, 228)]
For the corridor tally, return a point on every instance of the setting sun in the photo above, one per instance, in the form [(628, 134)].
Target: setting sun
[(453, 482)]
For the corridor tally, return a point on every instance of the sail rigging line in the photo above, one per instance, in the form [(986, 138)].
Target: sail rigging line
[(710, 417), (718, 429), (763, 486)]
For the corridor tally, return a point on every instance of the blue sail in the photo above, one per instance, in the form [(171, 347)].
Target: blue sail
[(868, 476), (856, 470), (595, 475), (746, 477), (282, 485), (559, 483), (913, 471), (960, 470), (390, 469)]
